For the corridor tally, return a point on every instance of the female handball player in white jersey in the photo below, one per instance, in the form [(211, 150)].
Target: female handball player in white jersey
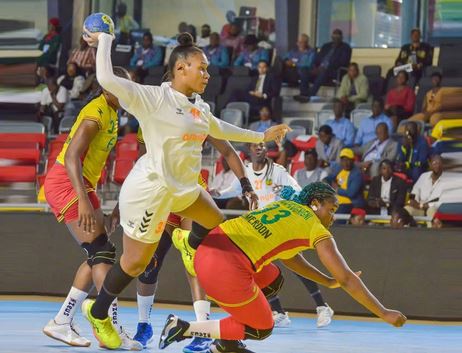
[(175, 122)]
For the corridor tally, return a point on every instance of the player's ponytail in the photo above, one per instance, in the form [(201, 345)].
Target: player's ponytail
[(184, 48), (315, 191)]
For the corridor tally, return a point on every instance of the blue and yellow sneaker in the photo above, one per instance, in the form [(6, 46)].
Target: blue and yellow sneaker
[(198, 345), (143, 333)]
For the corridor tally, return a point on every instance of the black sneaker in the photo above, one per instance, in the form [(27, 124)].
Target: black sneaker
[(302, 99), (224, 346), (173, 331)]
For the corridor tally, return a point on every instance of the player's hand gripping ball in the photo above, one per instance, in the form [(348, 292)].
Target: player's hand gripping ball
[(99, 22)]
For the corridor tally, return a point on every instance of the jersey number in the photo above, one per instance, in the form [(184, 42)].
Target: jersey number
[(269, 216)]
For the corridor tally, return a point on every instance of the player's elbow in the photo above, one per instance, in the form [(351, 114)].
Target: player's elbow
[(346, 279)]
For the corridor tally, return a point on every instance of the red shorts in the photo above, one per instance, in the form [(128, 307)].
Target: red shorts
[(61, 196)]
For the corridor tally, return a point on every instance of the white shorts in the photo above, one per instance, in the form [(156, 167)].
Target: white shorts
[(145, 203)]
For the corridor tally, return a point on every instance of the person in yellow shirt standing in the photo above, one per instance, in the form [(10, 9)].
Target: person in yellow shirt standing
[(244, 248), (70, 191)]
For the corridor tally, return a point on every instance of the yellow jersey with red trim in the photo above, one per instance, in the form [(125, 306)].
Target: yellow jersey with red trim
[(279, 231), (99, 111), (139, 137)]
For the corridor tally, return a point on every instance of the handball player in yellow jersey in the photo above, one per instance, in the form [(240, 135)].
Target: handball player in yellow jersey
[(234, 266)]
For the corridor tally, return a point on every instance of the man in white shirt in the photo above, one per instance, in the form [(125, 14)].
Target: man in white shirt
[(222, 181), (427, 190), (52, 101)]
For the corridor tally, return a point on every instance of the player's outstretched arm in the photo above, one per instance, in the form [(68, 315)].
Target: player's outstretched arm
[(352, 284), (299, 265)]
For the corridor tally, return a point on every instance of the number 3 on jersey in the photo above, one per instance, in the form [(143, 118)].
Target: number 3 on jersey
[(272, 214)]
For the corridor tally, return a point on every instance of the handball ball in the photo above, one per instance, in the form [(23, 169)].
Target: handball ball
[(99, 22)]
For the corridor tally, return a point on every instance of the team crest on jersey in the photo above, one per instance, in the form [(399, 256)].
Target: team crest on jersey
[(196, 113)]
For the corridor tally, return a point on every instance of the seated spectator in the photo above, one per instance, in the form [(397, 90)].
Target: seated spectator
[(413, 152), (440, 103), (222, 182), (311, 173), (342, 127), (328, 61), (380, 148), (216, 53), (328, 148), (204, 39), (298, 60), (52, 102), (84, 57), (50, 44), (367, 127), (232, 38), (400, 218), (145, 57), (417, 53), (354, 88), (261, 90), (400, 100), (124, 24), (44, 73), (357, 217), (252, 55), (73, 81), (348, 182), (265, 121), (387, 192), (427, 190)]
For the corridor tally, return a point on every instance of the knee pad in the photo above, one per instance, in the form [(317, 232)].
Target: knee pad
[(100, 251), (151, 274), (256, 334), (274, 288)]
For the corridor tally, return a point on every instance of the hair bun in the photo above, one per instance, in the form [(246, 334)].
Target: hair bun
[(185, 39)]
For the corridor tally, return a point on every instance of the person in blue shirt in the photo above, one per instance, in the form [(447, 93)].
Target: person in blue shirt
[(251, 55), (298, 60), (217, 54), (342, 127), (265, 121), (145, 57), (413, 152), (367, 127)]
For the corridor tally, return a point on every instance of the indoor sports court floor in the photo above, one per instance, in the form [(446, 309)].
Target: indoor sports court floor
[(22, 319)]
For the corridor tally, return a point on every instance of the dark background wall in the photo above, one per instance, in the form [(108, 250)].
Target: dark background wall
[(417, 271)]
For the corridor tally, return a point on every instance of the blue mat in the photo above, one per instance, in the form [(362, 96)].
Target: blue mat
[(21, 324)]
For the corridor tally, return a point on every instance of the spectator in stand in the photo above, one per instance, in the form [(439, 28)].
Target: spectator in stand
[(400, 100), (221, 182), (387, 192), (357, 217), (432, 101), (216, 53), (265, 121), (312, 172), (84, 57), (232, 38), (50, 45), (380, 148), (146, 56), (124, 24), (44, 73), (400, 218), (73, 81), (368, 126), (328, 148), (413, 152), (417, 53), (298, 60), (348, 182), (52, 102), (328, 61), (354, 88), (342, 127), (252, 54), (204, 39), (261, 90), (427, 190)]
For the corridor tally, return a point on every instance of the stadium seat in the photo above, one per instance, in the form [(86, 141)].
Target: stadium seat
[(234, 85), (121, 55), (127, 150), (212, 107), (372, 71), (65, 125), (19, 140), (358, 115), (305, 123), (205, 173), (213, 89), (244, 107), (322, 116), (21, 127), (18, 174), (20, 156), (129, 137), (232, 116), (420, 125), (121, 168)]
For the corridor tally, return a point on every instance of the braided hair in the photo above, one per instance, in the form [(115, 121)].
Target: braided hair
[(315, 191)]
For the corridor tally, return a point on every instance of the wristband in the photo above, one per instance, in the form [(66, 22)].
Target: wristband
[(246, 185)]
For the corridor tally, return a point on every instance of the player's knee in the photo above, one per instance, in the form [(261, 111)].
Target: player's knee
[(151, 273), (258, 334), (135, 267), (100, 251), (274, 287)]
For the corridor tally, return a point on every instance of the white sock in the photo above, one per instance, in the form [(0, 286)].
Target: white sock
[(204, 329), (113, 313), (202, 310), (144, 307), (73, 301)]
